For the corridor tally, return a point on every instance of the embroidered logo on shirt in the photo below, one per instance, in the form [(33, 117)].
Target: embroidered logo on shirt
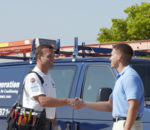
[(32, 80)]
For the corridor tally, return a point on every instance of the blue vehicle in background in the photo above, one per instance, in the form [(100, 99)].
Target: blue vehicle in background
[(86, 74)]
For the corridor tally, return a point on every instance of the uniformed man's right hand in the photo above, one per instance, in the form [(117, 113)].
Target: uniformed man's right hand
[(78, 104)]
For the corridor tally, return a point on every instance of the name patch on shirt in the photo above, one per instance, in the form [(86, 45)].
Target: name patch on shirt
[(34, 88)]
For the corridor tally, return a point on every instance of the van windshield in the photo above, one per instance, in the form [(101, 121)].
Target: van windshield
[(144, 72)]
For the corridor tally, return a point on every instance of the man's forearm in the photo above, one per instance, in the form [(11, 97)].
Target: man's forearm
[(131, 117), (100, 106), (53, 102), (132, 114)]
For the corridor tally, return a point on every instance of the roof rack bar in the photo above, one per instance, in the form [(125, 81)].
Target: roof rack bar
[(32, 57), (13, 57), (75, 53), (57, 47), (58, 44), (101, 50), (83, 50), (141, 53)]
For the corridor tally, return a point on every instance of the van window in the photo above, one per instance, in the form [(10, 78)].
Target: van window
[(144, 72), (96, 77), (63, 77)]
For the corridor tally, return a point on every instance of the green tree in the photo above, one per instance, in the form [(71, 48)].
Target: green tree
[(105, 35), (119, 30), (136, 26), (138, 21)]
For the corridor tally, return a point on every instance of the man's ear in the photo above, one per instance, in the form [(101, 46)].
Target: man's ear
[(120, 57), (39, 57)]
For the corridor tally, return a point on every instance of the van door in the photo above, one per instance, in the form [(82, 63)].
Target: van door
[(93, 77), (11, 79), (65, 76), (143, 70)]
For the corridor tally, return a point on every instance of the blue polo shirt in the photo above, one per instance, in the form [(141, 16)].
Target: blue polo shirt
[(128, 86)]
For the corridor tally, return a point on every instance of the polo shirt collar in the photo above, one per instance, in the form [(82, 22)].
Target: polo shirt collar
[(123, 71)]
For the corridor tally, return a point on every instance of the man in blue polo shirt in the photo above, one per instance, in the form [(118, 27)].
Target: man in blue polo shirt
[(127, 99), (128, 93)]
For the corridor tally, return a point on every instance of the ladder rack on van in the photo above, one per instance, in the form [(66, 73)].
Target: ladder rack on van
[(95, 51), (8, 49)]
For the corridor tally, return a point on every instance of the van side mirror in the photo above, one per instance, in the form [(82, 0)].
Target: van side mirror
[(103, 94)]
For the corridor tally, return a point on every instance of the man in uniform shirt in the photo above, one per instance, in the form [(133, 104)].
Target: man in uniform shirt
[(127, 99), (38, 96)]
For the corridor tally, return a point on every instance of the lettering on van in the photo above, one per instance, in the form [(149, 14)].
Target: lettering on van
[(8, 88), (4, 112)]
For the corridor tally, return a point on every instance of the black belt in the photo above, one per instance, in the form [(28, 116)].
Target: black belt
[(123, 118), (48, 120)]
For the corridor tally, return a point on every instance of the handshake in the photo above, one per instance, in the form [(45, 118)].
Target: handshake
[(76, 103)]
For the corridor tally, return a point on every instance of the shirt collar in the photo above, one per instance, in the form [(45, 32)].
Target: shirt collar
[(123, 71), (39, 71)]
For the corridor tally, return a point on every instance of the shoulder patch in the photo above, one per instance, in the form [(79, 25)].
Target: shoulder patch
[(32, 80)]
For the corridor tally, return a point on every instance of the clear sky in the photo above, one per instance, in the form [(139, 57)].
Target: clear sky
[(59, 19)]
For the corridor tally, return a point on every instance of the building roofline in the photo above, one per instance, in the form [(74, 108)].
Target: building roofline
[(103, 44)]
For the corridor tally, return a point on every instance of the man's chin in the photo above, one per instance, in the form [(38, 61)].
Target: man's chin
[(112, 66)]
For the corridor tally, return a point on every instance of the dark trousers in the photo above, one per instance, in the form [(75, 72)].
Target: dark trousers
[(48, 125)]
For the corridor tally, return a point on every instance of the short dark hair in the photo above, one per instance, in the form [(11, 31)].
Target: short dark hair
[(126, 51), (38, 50)]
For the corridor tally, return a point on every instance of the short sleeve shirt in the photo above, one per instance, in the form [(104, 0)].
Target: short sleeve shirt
[(33, 87), (128, 86)]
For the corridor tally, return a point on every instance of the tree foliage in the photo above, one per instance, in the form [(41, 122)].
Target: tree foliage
[(136, 26)]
